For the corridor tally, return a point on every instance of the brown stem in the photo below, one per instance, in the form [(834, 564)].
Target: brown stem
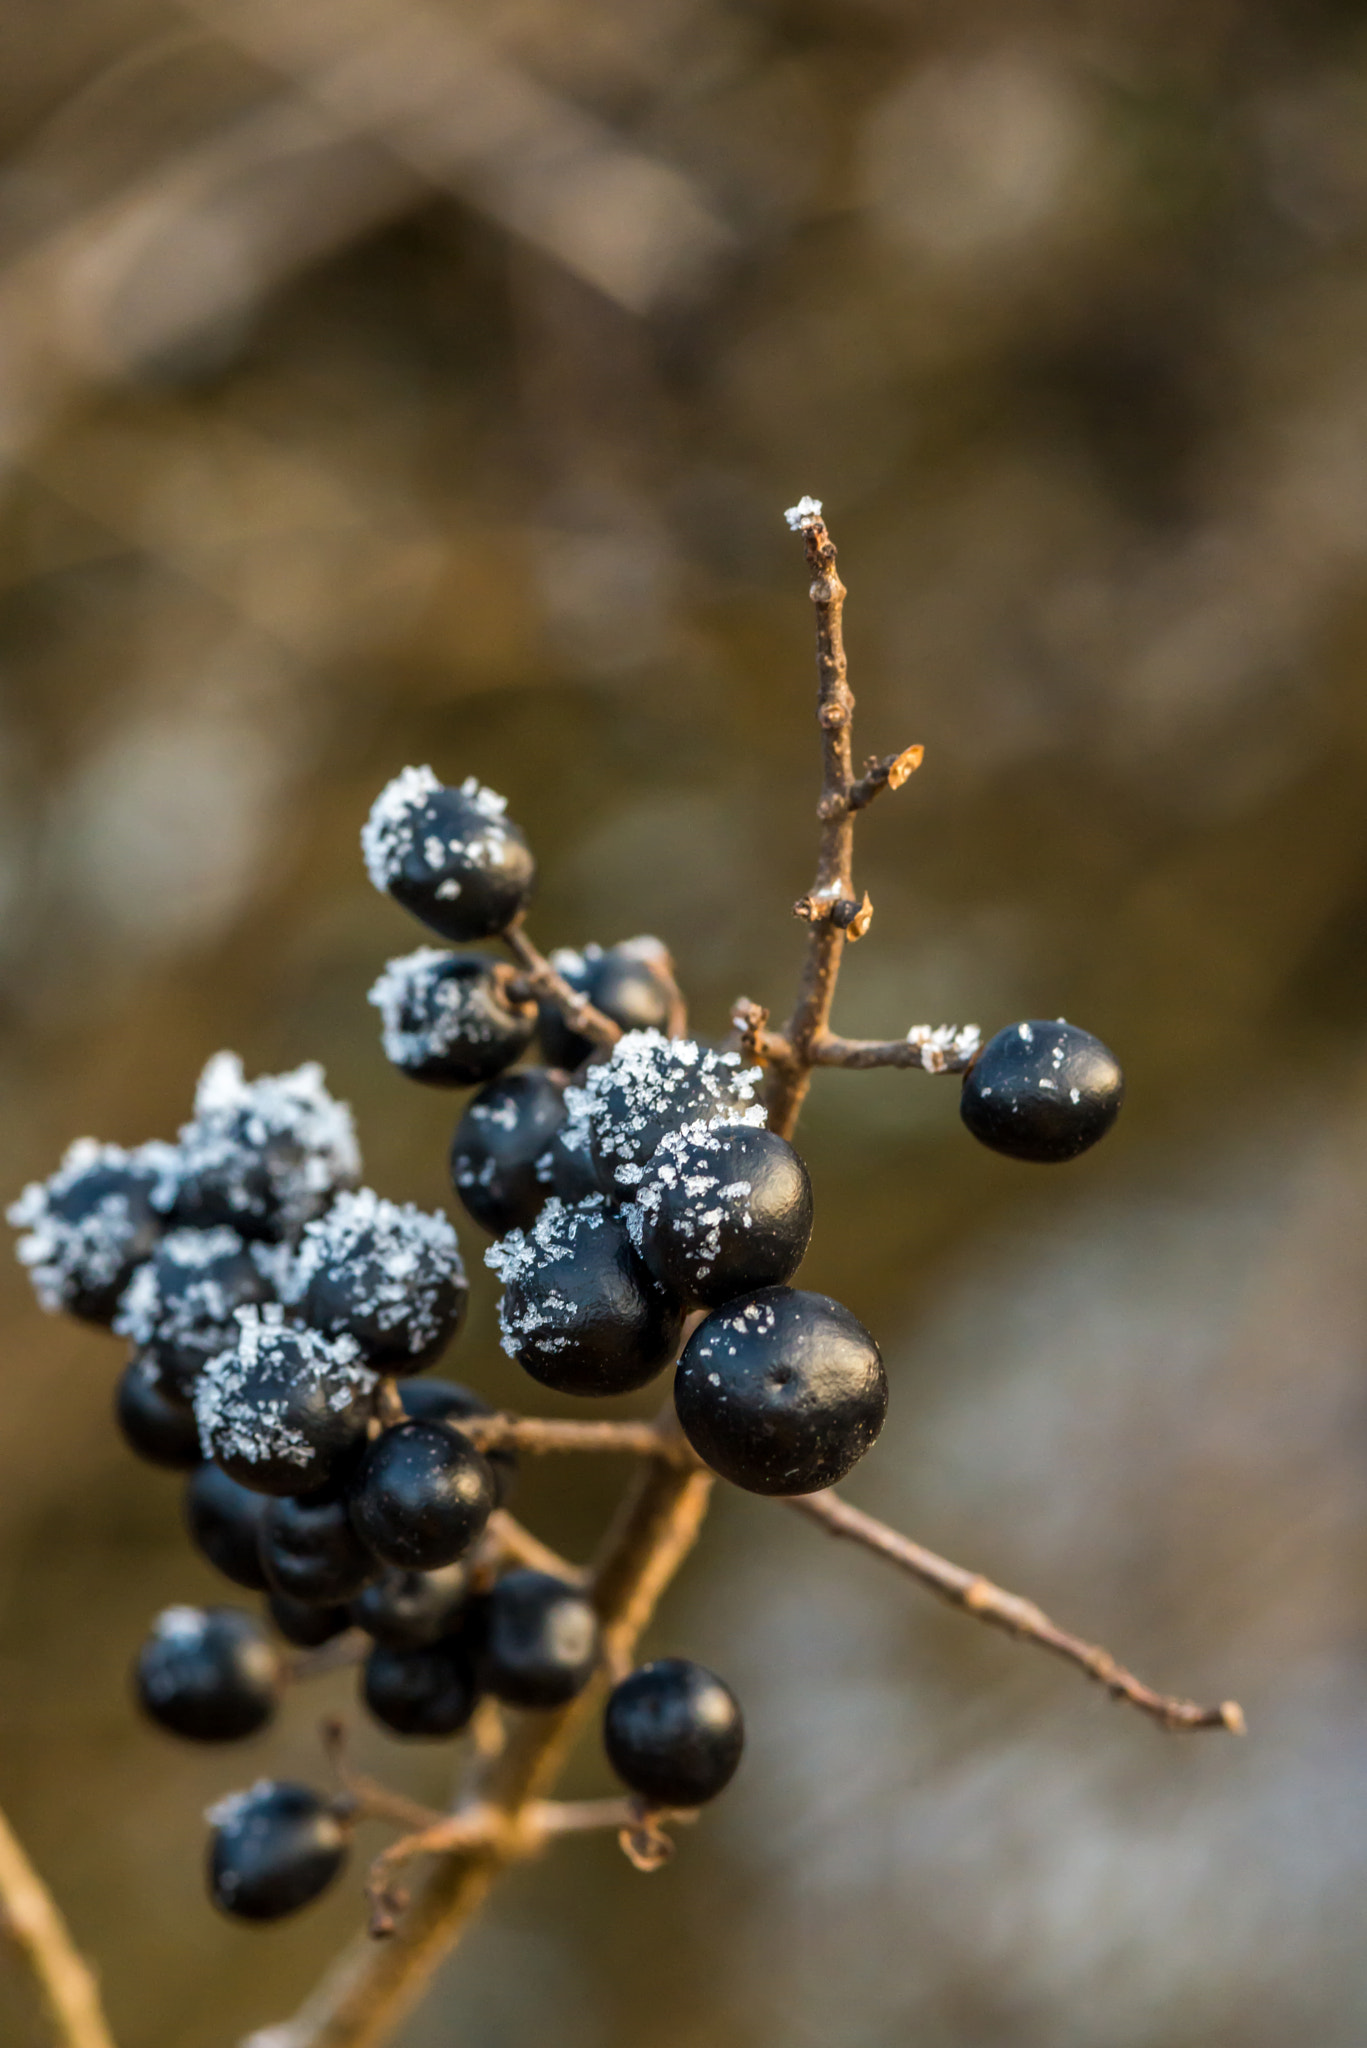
[(538, 1433), (931, 1049), (506, 1536), (541, 979), (65, 1981), (979, 1597)]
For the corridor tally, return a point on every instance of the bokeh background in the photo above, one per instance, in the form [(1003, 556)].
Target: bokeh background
[(423, 381)]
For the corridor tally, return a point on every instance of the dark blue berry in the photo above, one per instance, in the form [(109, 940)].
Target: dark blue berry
[(781, 1391), (630, 982), (287, 1411), (158, 1427), (306, 1626), (310, 1551), (648, 1085), (497, 1144), (273, 1850), (209, 1673), (388, 1276), (180, 1306), (422, 1496), (261, 1156), (450, 856), (540, 1640), (430, 1691), (724, 1209), (1043, 1092), (406, 1610), (432, 1400), (224, 1521), (90, 1225), (449, 1018), (674, 1733)]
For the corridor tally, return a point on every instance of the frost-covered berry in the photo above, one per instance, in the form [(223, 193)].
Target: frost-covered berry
[(159, 1428), (781, 1391), (497, 1144), (306, 1626), (90, 1225), (272, 1850), (648, 1085), (1044, 1092), (674, 1733), (448, 1017), (431, 1400), (208, 1673), (263, 1155), (432, 1690), (386, 1275), (539, 1642), (179, 1307), (406, 1610), (579, 1311), (451, 856), (287, 1409), (224, 1524), (723, 1209), (422, 1496), (631, 982), (310, 1551)]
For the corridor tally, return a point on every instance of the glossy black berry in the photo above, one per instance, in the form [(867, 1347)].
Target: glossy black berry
[(674, 1733), (224, 1521), (781, 1391), (160, 1429), (422, 1496), (428, 1691), (209, 1673), (540, 1640), (272, 1850), (566, 1169), (310, 1550), (306, 1626), (648, 1085), (287, 1410), (449, 1018), (407, 1610), (90, 1225), (262, 1156), (579, 1310), (724, 1209), (180, 1306), (1044, 1092), (497, 1144), (631, 983), (451, 856), (388, 1276), (432, 1400)]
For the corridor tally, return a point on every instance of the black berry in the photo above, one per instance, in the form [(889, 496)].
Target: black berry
[(450, 856), (724, 1209), (180, 1306), (262, 1156), (160, 1429), (91, 1224), (649, 1085), (497, 1144), (209, 1673), (286, 1411), (540, 1641), (1044, 1092), (422, 1496), (306, 1626), (449, 1019), (579, 1310), (674, 1733), (224, 1521), (428, 1691), (385, 1275), (407, 1610), (310, 1551), (631, 983), (272, 1850), (781, 1391), (431, 1400)]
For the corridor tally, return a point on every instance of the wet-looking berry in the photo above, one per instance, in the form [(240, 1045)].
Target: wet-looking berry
[(422, 1496), (632, 982), (430, 1691), (723, 1209), (406, 1610), (158, 1427), (449, 1018), (306, 1626), (432, 1400), (224, 1521), (451, 856), (209, 1673), (310, 1550), (272, 1850), (540, 1640), (1044, 1092), (674, 1733), (781, 1391), (497, 1144)]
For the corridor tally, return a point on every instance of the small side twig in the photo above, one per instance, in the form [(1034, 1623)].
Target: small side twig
[(30, 1919), (540, 1434), (506, 1538), (889, 773), (930, 1048), (540, 979), (979, 1597)]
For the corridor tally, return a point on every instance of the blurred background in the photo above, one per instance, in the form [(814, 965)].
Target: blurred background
[(425, 382)]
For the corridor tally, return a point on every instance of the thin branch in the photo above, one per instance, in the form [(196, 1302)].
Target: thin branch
[(930, 1048), (540, 979), (507, 1538), (540, 1434), (979, 1597), (65, 1981)]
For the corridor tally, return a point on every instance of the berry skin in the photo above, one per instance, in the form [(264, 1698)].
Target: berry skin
[(448, 1017), (159, 1429), (781, 1391), (224, 1521), (89, 1226), (311, 1553), (263, 1156), (496, 1147), (674, 1733), (724, 1209), (286, 1412), (428, 1691), (565, 1169), (630, 982), (1044, 1092), (385, 1275), (273, 1850), (579, 1311), (540, 1642), (450, 856), (408, 1610), (649, 1085), (446, 1401), (208, 1673), (179, 1307), (422, 1496), (304, 1625)]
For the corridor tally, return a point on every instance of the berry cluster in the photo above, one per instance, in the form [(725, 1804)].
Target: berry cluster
[(280, 1315)]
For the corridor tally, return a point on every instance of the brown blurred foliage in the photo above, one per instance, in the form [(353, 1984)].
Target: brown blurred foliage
[(426, 382)]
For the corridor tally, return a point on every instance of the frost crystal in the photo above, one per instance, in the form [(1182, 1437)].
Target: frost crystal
[(689, 1160), (242, 1399), (399, 1264), (801, 515), (86, 1222), (524, 1256), (238, 1806), (187, 1293), (426, 1010), (945, 1048), (402, 821), (269, 1153), (651, 1084)]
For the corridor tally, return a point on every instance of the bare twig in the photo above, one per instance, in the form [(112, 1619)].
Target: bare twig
[(539, 978), (65, 1981), (930, 1048), (889, 773), (506, 1538), (538, 1433), (978, 1596)]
